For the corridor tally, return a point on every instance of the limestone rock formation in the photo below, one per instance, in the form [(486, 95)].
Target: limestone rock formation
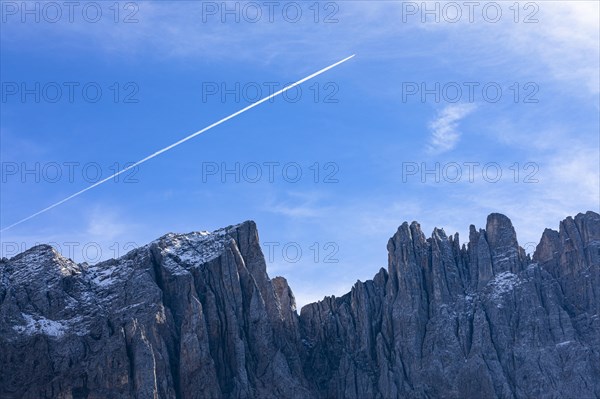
[(186, 316), (196, 316)]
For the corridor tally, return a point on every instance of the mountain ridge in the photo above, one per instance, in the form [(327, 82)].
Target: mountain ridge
[(196, 315)]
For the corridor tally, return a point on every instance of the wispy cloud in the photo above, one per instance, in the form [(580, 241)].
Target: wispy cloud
[(105, 223), (569, 54), (299, 205), (444, 128)]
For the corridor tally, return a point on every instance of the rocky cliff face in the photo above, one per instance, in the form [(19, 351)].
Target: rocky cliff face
[(480, 320), (196, 316), (187, 316)]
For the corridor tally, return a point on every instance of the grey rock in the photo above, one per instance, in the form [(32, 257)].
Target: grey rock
[(476, 321), (196, 316), (186, 316)]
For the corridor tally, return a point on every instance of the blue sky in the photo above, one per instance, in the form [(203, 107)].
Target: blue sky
[(361, 125)]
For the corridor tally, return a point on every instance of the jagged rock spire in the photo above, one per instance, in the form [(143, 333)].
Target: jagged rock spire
[(196, 315)]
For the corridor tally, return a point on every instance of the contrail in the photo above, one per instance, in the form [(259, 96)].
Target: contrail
[(191, 136)]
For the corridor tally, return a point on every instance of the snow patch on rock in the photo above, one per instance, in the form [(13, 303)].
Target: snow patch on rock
[(193, 249), (40, 325), (502, 284)]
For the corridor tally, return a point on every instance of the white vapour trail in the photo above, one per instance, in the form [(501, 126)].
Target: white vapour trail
[(191, 136)]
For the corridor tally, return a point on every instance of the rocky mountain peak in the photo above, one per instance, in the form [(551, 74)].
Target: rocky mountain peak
[(499, 227), (39, 262), (196, 315)]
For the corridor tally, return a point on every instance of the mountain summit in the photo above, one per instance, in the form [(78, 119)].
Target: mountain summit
[(196, 316)]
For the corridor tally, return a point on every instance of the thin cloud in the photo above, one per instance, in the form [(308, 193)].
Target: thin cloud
[(107, 224), (444, 128), (300, 205)]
